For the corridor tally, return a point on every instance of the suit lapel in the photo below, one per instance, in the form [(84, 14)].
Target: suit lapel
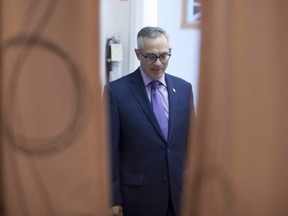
[(138, 88)]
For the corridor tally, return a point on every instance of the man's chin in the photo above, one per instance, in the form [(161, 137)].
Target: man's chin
[(157, 73)]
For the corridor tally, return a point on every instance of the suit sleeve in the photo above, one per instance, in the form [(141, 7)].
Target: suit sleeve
[(114, 134), (192, 118)]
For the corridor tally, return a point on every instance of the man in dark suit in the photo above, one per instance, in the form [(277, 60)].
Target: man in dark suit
[(147, 157)]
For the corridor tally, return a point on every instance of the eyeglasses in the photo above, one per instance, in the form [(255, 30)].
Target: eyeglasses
[(151, 58)]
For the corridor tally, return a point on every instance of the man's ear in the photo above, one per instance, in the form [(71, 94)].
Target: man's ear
[(137, 54)]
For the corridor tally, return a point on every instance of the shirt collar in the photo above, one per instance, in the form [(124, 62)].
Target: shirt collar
[(147, 79)]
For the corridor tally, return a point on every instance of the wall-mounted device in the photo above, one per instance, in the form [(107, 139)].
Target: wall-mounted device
[(114, 57)]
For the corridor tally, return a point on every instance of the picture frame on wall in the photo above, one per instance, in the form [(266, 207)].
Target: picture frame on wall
[(191, 13)]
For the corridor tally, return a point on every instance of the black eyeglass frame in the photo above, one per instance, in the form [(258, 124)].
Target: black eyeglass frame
[(156, 57)]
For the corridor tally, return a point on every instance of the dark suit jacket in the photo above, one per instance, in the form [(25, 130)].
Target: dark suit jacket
[(146, 168)]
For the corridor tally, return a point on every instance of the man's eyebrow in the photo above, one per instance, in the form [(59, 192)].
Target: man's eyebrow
[(149, 53)]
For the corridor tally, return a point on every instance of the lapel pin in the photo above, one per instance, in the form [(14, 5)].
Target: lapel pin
[(174, 90)]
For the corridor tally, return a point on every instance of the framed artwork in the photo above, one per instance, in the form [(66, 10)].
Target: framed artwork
[(191, 13)]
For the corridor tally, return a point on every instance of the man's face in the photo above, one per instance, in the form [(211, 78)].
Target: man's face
[(153, 46)]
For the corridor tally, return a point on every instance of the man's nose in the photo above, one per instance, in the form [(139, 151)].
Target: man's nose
[(158, 62)]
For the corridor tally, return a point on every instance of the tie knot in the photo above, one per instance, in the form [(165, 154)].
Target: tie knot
[(155, 84)]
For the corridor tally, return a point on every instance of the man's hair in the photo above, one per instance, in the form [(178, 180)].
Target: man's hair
[(152, 32)]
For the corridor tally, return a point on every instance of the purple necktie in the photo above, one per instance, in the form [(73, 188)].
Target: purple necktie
[(158, 107)]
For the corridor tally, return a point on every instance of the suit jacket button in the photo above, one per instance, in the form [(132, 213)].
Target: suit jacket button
[(164, 178)]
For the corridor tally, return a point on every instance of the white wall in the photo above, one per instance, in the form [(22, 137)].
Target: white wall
[(115, 19)]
